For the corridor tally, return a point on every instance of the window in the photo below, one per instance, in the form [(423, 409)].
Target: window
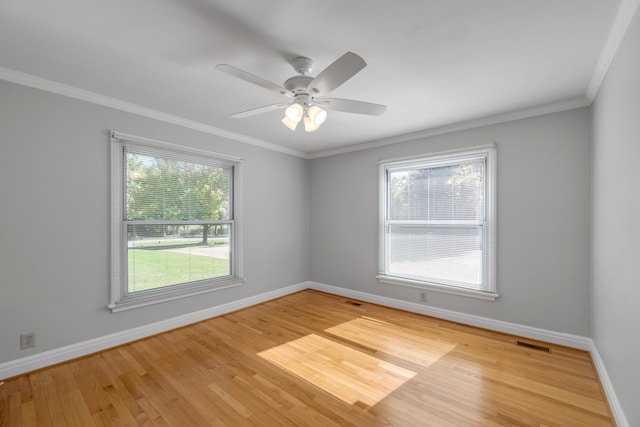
[(437, 222), (174, 222)]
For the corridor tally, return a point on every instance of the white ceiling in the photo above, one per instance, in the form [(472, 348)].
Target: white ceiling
[(432, 62)]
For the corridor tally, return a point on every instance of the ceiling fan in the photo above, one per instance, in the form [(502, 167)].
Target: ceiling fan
[(307, 93)]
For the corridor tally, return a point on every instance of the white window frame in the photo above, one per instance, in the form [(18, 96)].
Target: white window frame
[(489, 154), (121, 299)]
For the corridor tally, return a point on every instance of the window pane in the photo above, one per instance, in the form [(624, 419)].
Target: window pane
[(449, 254), (444, 193), (163, 255), (172, 189)]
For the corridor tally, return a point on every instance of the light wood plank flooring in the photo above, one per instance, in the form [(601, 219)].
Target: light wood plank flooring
[(314, 359)]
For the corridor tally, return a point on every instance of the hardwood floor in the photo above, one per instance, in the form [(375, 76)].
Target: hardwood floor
[(314, 359)]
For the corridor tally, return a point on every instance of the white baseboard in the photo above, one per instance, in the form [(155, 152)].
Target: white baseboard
[(36, 361), (614, 403), (30, 363), (568, 340)]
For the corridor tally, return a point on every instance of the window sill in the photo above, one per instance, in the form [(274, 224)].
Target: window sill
[(129, 303), (472, 293)]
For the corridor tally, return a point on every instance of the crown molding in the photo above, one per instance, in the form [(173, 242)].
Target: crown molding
[(32, 81), (35, 82), (460, 126), (618, 30)]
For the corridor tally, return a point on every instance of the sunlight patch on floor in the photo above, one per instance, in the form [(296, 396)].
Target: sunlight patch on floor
[(350, 375), (393, 339)]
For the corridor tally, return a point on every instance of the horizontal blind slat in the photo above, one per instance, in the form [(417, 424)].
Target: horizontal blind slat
[(174, 187), (435, 223)]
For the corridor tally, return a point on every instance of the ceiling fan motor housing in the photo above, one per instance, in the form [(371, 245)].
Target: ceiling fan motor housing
[(298, 84), (302, 65), (303, 99)]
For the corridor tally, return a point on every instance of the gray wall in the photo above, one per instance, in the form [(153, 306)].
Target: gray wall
[(543, 220), (318, 220), (54, 219), (616, 223)]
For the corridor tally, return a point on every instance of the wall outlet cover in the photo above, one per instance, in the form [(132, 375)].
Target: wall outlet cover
[(27, 340)]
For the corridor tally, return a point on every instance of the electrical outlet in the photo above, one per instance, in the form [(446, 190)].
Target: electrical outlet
[(27, 340), (423, 297)]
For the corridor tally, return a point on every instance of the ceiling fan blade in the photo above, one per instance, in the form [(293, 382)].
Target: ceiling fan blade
[(335, 74), (248, 77), (351, 106), (260, 110)]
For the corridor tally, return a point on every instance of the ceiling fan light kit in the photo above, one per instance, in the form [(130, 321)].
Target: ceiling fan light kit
[(294, 112), (301, 108), (316, 114), (288, 123), (307, 92)]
